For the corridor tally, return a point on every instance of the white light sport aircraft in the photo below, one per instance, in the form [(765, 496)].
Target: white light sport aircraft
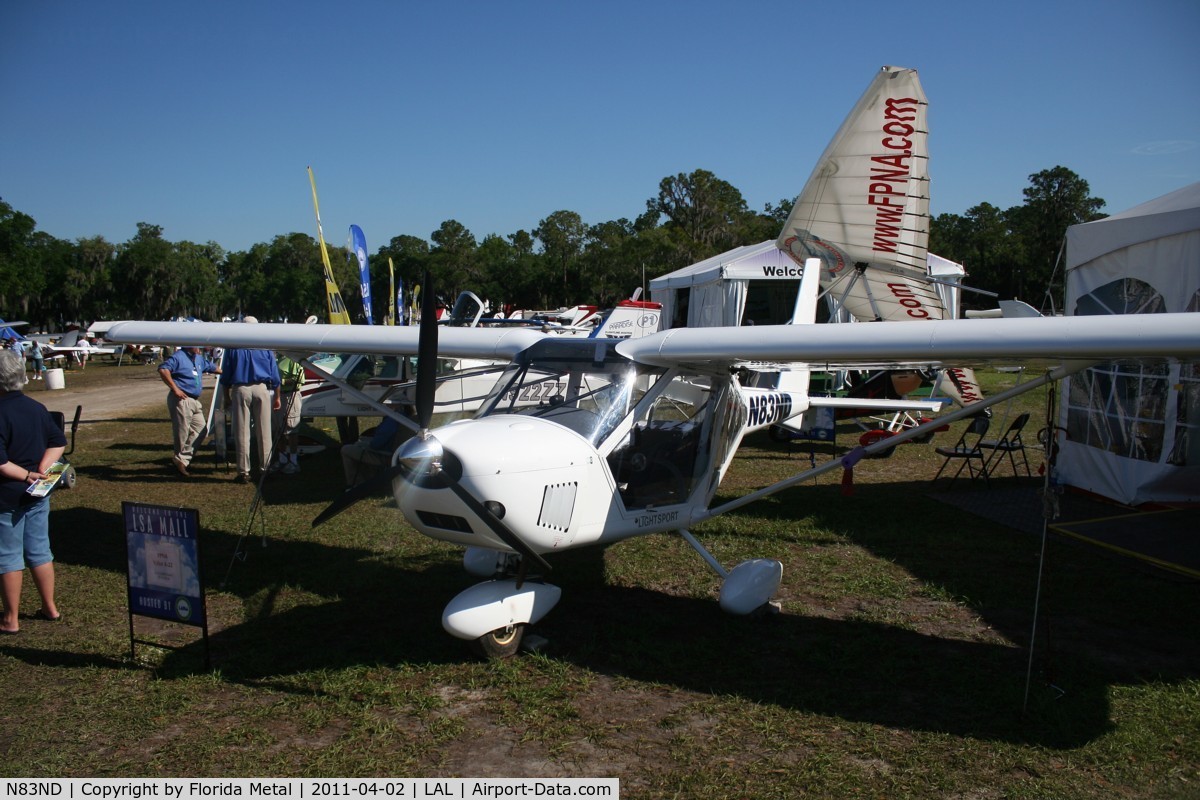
[(638, 433)]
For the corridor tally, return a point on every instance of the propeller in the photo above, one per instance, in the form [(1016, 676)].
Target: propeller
[(441, 464), (427, 346), (359, 491)]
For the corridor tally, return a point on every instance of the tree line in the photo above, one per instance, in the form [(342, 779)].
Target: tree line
[(560, 261)]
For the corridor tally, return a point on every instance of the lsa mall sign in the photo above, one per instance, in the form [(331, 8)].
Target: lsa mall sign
[(163, 546)]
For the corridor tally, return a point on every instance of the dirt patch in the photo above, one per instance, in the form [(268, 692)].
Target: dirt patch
[(107, 401)]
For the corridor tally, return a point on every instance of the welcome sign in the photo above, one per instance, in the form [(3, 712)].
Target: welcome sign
[(163, 563)]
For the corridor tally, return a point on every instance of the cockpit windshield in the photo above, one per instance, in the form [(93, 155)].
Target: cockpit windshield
[(582, 384), (468, 309)]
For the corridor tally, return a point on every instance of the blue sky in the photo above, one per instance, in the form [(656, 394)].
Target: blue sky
[(202, 117)]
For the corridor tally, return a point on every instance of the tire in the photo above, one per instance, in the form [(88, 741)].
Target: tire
[(501, 643), (872, 437)]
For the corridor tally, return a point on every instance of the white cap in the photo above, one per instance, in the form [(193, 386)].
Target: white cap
[(249, 318)]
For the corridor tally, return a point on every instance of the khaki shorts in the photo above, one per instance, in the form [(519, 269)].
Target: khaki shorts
[(290, 403)]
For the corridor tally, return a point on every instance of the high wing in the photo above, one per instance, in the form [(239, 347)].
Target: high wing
[(870, 345), (482, 343), (885, 345)]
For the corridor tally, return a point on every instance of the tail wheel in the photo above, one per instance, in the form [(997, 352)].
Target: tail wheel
[(502, 642)]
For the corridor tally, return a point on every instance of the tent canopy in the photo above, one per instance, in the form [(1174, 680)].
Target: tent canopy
[(1171, 214), (762, 261), (1133, 430), (712, 293), (757, 282)]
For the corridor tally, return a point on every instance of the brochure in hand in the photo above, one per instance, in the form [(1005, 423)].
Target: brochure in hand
[(53, 476)]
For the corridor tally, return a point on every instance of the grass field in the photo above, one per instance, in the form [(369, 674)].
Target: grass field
[(896, 669)]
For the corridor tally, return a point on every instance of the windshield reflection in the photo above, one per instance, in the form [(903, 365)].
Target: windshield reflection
[(581, 384)]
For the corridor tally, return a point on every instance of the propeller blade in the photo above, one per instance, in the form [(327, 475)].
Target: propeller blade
[(359, 491), (498, 527), (427, 357)]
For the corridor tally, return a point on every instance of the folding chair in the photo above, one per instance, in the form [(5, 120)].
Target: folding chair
[(968, 451), (68, 479), (1009, 443)]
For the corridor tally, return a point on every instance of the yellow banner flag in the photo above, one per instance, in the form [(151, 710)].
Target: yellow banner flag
[(337, 309), (391, 320)]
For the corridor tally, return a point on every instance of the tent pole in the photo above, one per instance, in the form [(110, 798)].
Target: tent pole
[(1050, 510)]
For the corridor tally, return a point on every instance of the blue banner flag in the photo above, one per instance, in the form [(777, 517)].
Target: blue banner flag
[(359, 243), (402, 314)]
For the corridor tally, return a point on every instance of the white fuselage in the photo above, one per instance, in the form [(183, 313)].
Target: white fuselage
[(617, 453)]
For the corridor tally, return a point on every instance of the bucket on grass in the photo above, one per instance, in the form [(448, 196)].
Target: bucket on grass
[(55, 379)]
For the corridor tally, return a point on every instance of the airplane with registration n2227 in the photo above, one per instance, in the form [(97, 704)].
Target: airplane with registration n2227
[(636, 434)]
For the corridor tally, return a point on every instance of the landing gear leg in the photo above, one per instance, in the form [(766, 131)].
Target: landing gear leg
[(746, 588)]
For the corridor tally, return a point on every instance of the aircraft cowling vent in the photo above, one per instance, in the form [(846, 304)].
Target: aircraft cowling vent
[(558, 506), (449, 522)]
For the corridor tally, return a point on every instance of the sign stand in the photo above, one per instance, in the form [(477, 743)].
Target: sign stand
[(163, 569)]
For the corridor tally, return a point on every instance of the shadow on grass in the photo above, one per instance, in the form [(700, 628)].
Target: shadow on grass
[(1135, 619), (373, 610)]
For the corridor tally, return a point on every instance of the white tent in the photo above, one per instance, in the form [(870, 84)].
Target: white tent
[(713, 292), (756, 284), (1133, 430)]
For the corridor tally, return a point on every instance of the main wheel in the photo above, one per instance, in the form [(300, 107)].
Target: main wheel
[(871, 437), (925, 438), (502, 642)]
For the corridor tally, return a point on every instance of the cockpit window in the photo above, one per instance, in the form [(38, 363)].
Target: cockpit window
[(468, 309), (666, 453), (582, 384)]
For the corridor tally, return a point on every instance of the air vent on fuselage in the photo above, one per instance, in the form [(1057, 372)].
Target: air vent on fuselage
[(558, 504), (448, 522)]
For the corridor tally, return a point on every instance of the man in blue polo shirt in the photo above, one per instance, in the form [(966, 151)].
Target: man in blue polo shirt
[(182, 374), (251, 384)]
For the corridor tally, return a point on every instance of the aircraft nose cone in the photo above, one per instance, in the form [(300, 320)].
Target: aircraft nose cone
[(426, 462), (420, 449)]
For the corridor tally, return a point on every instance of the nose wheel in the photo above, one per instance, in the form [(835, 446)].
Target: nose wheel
[(492, 616), (502, 642)]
